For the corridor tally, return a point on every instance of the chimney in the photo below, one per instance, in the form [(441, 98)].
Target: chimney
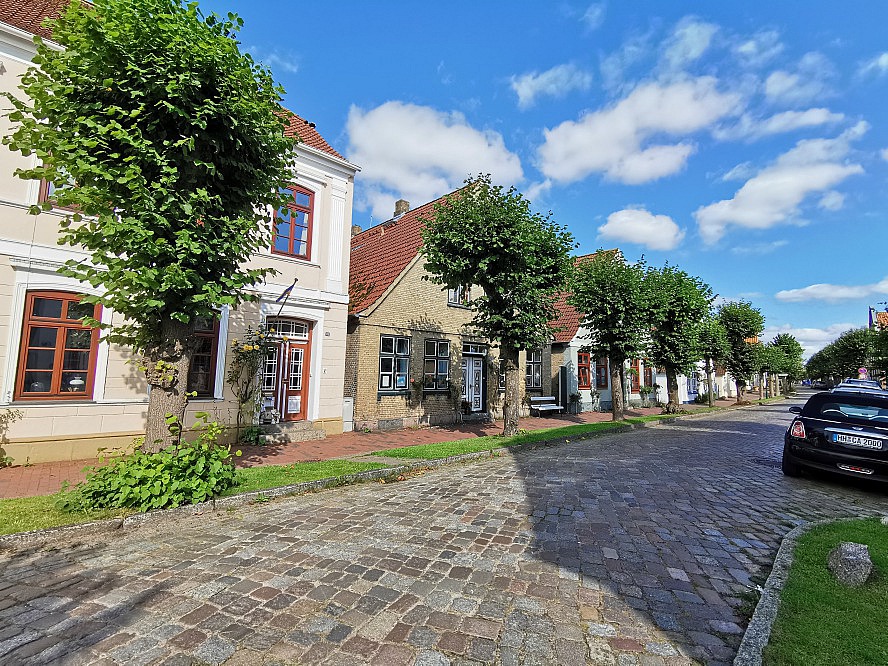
[(356, 229), (401, 207)]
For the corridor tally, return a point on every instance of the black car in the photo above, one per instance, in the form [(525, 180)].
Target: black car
[(845, 432)]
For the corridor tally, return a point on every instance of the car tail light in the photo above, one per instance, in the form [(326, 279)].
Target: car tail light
[(797, 430)]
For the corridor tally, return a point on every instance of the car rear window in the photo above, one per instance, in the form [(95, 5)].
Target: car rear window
[(863, 409)]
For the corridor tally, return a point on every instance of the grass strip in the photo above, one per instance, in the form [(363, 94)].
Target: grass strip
[(457, 447), (39, 513), (823, 623)]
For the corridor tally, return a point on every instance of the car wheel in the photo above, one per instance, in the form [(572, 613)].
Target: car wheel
[(789, 466)]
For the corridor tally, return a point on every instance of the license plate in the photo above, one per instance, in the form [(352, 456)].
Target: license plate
[(856, 440)]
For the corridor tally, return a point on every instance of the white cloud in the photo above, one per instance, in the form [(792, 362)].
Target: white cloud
[(884, 154), (593, 17), (614, 66), (832, 201), (787, 121), (809, 82), (742, 171), (420, 153), (811, 339), (688, 42), (275, 60), (555, 82), (773, 196), (615, 141), (833, 293), (759, 248), (877, 65), (759, 49), (637, 225)]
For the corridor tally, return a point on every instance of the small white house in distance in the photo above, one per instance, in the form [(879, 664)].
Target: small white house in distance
[(75, 393)]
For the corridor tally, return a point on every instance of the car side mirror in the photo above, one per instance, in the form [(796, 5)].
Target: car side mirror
[(795, 409)]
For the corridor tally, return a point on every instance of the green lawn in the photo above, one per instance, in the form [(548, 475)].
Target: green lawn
[(490, 442), (822, 623), (39, 513)]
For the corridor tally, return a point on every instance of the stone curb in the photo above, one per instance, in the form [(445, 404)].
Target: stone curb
[(21, 540), (758, 632)]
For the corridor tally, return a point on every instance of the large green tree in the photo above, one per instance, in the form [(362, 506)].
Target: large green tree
[(742, 323), (843, 356), (678, 305), (169, 144), (610, 294), (714, 348), (793, 352), (488, 236)]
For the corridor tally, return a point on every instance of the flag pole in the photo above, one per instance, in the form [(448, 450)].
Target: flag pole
[(286, 295)]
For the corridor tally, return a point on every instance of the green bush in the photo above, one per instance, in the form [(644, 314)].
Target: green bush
[(186, 473)]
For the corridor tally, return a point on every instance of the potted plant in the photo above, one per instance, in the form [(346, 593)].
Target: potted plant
[(574, 400)]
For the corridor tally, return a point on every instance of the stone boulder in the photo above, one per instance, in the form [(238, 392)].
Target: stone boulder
[(850, 563)]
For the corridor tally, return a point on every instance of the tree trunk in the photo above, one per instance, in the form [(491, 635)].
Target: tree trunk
[(166, 370), (672, 404), (512, 399), (618, 408), (740, 385), (710, 380)]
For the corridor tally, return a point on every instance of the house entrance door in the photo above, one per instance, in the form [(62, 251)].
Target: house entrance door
[(286, 377), (473, 382)]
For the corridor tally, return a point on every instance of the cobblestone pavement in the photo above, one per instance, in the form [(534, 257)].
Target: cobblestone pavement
[(637, 548)]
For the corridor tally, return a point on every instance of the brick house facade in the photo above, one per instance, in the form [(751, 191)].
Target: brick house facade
[(412, 357)]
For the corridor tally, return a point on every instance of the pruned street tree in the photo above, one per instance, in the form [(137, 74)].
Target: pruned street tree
[(167, 145), (488, 236), (677, 305), (611, 297), (793, 351), (743, 324), (714, 348)]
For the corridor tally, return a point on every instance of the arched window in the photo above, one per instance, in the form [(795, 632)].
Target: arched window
[(57, 360)]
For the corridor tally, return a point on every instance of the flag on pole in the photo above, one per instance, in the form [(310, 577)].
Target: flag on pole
[(286, 292)]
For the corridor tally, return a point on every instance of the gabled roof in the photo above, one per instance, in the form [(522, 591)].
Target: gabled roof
[(28, 15), (567, 323), (381, 253), (569, 318), (305, 131)]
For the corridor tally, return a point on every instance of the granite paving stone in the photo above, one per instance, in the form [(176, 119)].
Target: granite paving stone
[(638, 548)]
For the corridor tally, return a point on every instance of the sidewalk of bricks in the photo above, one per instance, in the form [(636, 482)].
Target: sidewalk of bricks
[(48, 478)]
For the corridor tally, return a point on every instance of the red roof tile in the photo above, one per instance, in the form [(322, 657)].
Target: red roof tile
[(28, 15), (305, 131), (882, 320), (567, 323), (379, 254)]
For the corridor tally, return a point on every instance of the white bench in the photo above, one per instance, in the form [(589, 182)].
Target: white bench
[(544, 405)]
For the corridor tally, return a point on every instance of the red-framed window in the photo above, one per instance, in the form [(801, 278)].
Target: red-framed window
[(292, 228), (648, 375), (57, 360), (584, 370), (635, 382), (601, 380), (202, 374)]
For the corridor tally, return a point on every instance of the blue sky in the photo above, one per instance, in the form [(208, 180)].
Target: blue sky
[(746, 142)]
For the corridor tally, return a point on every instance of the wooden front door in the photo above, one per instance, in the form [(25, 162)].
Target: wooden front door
[(286, 378)]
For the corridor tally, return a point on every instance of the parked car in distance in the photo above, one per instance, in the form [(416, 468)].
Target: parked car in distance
[(819, 386), (842, 431)]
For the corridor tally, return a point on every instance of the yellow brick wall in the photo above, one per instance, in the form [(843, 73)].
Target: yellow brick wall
[(418, 309)]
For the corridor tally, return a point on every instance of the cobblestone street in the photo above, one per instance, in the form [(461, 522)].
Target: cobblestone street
[(637, 548)]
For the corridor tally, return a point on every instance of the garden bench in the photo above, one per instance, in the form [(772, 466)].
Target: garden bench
[(544, 405)]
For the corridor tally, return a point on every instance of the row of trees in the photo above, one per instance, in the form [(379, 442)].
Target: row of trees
[(488, 236), (854, 349)]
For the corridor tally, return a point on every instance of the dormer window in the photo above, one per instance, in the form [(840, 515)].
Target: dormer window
[(460, 296)]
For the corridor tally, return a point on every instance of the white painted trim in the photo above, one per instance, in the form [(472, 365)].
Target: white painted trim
[(221, 348), (42, 276), (335, 246), (269, 309)]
